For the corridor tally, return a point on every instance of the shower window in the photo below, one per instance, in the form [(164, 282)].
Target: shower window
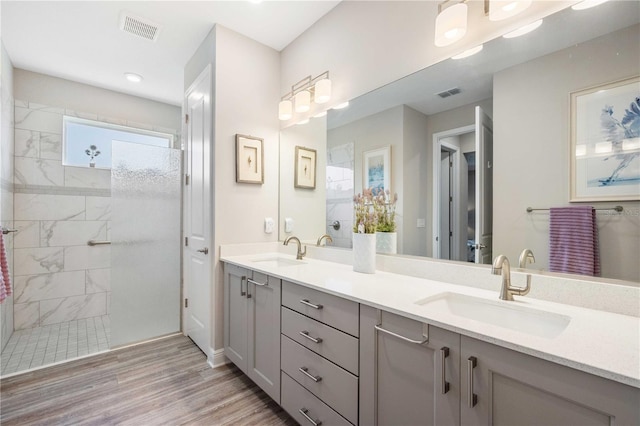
[(87, 143)]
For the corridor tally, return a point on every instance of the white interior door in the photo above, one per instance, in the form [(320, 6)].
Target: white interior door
[(484, 187), (198, 214)]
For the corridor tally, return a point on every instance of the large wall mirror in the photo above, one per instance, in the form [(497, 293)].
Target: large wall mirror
[(474, 142)]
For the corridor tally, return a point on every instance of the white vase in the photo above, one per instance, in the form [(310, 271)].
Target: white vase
[(387, 242), (364, 253)]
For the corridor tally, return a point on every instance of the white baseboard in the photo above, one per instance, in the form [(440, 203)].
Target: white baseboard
[(218, 359)]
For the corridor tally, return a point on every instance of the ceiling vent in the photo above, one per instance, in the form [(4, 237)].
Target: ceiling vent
[(449, 92), (138, 26)]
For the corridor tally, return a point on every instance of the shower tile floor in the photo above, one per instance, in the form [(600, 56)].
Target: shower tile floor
[(39, 346)]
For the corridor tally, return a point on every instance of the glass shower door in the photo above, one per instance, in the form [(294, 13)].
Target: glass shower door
[(145, 242)]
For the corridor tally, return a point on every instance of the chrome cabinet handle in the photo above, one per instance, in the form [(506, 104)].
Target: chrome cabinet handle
[(313, 339), (406, 339), (444, 354), (242, 293), (314, 306), (305, 371), (250, 281), (304, 412), (472, 398), (203, 250)]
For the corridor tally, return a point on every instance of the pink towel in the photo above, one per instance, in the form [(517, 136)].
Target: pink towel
[(573, 240), (5, 280)]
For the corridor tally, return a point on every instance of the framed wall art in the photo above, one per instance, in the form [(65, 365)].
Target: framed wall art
[(305, 168), (605, 142), (376, 169), (249, 159)]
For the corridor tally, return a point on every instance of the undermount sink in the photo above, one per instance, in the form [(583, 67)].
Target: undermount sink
[(277, 261), (502, 314)]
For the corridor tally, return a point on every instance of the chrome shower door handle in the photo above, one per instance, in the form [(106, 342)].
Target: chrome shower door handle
[(203, 250)]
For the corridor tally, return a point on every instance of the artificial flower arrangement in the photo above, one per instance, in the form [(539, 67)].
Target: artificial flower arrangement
[(384, 205), (366, 218)]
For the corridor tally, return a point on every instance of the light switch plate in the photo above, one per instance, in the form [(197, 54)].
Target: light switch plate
[(288, 224), (421, 223), (268, 225)]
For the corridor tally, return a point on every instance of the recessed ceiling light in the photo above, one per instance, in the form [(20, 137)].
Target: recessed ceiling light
[(342, 105), (468, 52), (587, 4), (523, 30), (132, 77)]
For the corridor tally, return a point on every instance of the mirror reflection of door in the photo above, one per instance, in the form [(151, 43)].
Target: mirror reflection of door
[(462, 192)]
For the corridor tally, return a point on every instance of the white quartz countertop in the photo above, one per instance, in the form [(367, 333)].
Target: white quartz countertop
[(598, 342)]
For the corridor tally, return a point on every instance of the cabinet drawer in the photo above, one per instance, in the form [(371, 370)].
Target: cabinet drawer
[(336, 346), (296, 399), (332, 310), (334, 386)]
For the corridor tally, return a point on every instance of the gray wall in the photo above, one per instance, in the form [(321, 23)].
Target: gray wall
[(531, 155)]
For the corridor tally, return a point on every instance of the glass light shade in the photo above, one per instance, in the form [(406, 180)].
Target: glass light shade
[(342, 105), (451, 25), (322, 91), (468, 52), (285, 110), (523, 30), (581, 150), (303, 101), (587, 4), (503, 9), (603, 147)]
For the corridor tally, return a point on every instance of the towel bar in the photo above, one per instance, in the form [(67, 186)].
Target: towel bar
[(97, 243), (618, 209)]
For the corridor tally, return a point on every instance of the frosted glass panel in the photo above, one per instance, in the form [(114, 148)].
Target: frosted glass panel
[(145, 238)]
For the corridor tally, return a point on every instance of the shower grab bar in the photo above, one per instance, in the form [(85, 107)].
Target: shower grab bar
[(98, 243)]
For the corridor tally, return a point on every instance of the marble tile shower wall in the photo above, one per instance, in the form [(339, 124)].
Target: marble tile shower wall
[(340, 187), (57, 209)]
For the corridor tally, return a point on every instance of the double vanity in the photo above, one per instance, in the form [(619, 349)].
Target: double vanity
[(333, 346)]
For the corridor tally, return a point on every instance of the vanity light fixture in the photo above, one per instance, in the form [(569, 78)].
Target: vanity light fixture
[(581, 150), (524, 30), (132, 77), (451, 23), (587, 4), (504, 9), (285, 110), (342, 105), (316, 89), (305, 121), (468, 52), (320, 115), (303, 101)]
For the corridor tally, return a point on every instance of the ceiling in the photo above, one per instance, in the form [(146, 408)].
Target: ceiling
[(82, 41)]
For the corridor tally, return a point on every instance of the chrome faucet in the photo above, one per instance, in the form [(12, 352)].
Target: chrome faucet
[(301, 252), (526, 257), (328, 238), (501, 267)]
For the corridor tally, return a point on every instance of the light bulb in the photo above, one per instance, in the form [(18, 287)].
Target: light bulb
[(303, 101), (285, 110), (322, 91), (451, 25)]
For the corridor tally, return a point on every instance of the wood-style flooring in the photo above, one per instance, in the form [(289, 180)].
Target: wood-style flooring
[(164, 382)]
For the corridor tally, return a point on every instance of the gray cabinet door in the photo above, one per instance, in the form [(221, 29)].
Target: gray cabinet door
[(513, 388), (401, 383), (235, 315), (264, 333)]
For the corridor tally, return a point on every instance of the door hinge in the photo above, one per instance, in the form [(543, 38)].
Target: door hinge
[(186, 241), (186, 303), (450, 234), (450, 199), (186, 118), (186, 179)]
